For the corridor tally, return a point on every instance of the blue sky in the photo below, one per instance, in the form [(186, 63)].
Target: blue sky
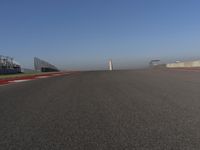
[(84, 34)]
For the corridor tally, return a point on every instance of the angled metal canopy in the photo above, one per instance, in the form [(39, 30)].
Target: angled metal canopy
[(43, 66)]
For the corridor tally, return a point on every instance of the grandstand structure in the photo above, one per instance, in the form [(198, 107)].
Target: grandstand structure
[(8, 65), (43, 66)]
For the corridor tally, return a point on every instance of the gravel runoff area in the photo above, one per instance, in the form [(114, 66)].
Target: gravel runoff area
[(119, 110)]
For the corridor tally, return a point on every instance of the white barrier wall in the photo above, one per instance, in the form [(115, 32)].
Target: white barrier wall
[(188, 64)]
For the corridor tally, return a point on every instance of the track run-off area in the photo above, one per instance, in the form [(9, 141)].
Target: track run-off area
[(102, 110)]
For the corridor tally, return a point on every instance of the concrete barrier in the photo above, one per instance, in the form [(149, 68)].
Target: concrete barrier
[(188, 64)]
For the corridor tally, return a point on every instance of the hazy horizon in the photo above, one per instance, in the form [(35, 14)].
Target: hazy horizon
[(84, 35)]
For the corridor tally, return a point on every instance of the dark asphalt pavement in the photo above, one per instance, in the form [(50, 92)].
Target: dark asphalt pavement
[(119, 110)]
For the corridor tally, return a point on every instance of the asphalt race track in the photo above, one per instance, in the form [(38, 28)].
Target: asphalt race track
[(119, 110)]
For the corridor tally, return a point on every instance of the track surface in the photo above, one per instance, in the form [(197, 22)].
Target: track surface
[(142, 110)]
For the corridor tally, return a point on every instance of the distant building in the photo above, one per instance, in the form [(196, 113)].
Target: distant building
[(43, 66), (8, 65)]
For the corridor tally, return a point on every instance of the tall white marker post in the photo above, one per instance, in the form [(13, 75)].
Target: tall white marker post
[(110, 65)]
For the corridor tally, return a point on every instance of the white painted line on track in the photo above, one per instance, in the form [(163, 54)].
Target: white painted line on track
[(17, 81), (42, 77)]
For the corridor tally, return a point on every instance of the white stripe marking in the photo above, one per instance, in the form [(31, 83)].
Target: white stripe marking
[(17, 81), (41, 77)]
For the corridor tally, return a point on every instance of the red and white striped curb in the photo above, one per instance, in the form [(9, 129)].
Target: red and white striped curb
[(17, 81), (29, 78)]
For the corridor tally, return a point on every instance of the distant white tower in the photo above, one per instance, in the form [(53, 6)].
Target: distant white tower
[(110, 65)]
